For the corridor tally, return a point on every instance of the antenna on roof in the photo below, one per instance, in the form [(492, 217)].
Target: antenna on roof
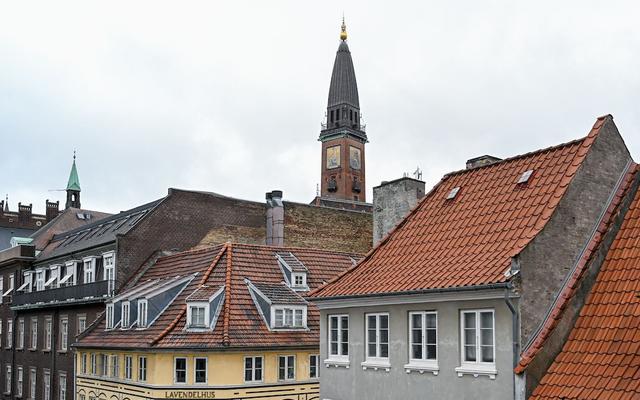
[(417, 173)]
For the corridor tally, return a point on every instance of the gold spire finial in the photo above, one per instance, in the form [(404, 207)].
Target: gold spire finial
[(343, 30)]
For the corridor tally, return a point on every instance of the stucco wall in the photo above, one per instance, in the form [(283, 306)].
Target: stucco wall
[(339, 383)]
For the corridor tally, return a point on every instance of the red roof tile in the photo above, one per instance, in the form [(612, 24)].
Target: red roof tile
[(601, 358), (239, 323), (468, 240)]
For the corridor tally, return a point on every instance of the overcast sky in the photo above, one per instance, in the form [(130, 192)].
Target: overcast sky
[(229, 96)]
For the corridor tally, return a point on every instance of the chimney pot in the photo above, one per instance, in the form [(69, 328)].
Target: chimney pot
[(276, 194)]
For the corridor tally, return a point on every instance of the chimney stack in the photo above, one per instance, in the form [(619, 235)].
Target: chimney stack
[(275, 218), (392, 201), (24, 212), (52, 209), (482, 161)]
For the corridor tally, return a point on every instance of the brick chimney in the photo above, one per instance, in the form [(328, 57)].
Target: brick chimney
[(392, 201), (275, 218), (53, 209), (481, 161), (24, 212)]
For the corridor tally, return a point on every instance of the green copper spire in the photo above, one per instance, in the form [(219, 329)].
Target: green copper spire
[(74, 181)]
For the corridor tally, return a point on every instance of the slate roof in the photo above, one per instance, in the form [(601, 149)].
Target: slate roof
[(65, 221), (343, 88), (239, 323), (292, 261), (601, 358), (279, 293), (468, 240), (96, 233)]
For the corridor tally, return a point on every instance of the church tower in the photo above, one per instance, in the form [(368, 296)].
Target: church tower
[(343, 137), (73, 187)]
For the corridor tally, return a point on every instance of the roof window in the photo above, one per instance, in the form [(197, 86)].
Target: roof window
[(524, 178), (453, 193)]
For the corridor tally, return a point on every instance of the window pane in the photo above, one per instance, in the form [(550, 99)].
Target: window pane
[(416, 320), (384, 321), (372, 322), (470, 320), (384, 350), (431, 336), (291, 367), (470, 336), (371, 350), (431, 352), (486, 337), (416, 336), (345, 349), (416, 351), (247, 374), (431, 321), (470, 353), (487, 353), (486, 320)]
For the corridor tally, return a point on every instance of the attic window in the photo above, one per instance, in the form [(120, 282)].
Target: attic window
[(524, 178), (453, 193), (197, 314), (289, 317)]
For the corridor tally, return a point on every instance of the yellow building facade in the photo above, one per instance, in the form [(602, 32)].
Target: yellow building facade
[(225, 376)]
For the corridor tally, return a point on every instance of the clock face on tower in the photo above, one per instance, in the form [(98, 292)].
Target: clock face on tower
[(354, 157), (333, 157)]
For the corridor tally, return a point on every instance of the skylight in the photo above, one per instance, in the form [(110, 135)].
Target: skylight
[(453, 193), (524, 178)]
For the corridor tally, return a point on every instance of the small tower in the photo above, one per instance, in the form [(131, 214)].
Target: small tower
[(342, 136), (73, 187)]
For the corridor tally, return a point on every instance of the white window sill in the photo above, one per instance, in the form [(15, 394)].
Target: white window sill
[(376, 365), (333, 362), (477, 370), (422, 367)]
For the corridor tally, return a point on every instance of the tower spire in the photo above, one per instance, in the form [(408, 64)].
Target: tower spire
[(343, 30), (73, 186)]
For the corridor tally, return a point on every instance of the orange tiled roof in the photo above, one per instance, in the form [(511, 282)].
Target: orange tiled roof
[(239, 323), (601, 358), (468, 240)]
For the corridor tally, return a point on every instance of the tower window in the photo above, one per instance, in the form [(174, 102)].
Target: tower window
[(331, 115), (350, 115)]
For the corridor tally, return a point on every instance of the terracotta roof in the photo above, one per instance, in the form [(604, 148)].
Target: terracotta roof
[(601, 358), (239, 323), (573, 280), (468, 240)]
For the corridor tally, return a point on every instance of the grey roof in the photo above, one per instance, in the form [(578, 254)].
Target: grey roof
[(343, 88), (279, 293), (7, 233), (98, 233), (292, 261)]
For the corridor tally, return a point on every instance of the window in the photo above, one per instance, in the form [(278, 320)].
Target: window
[(82, 323), (89, 268), (142, 369), (48, 329), (142, 313), (478, 338), (180, 370), (11, 285), (423, 336), (115, 366), (83, 360), (47, 384), (63, 386), (20, 344), (64, 333), (200, 367), (109, 317), (26, 282), (378, 337), (253, 369), (286, 317), (94, 364), (104, 364), (286, 368), (19, 381), (128, 367), (524, 178), (69, 274), (7, 379), (32, 383), (339, 337), (196, 316), (9, 333), (125, 314), (1, 288), (40, 279), (34, 333), (453, 193), (109, 271), (314, 366), (52, 282)]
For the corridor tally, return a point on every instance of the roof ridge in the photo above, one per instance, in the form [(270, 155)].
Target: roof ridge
[(170, 327), (227, 297), (291, 248), (209, 270)]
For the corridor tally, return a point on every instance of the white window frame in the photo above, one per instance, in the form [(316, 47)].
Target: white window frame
[(89, 269), (64, 333), (377, 361), (195, 370), (253, 369), (8, 378), (81, 323), (128, 367), (70, 272), (20, 335), (314, 362), (339, 357), (94, 364), (283, 310), (40, 279), (125, 315), (175, 370), (303, 277), (46, 376), (143, 308), (54, 276), (423, 363), (1, 288), (477, 367), (83, 363), (142, 368), (48, 332), (62, 385), (114, 366), (19, 381), (26, 286), (109, 317), (9, 333), (12, 284), (287, 365), (106, 268), (197, 304), (33, 376), (33, 333)]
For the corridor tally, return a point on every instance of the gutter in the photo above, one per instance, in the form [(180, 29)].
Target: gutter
[(515, 319)]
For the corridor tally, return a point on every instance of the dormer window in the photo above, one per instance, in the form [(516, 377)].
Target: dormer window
[(109, 316), (126, 307), (295, 272), (289, 317), (142, 313), (299, 281), (89, 269), (53, 277), (197, 314), (26, 285), (69, 275)]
